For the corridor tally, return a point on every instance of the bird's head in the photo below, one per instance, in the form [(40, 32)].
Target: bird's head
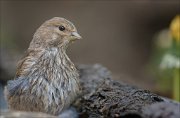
[(55, 32)]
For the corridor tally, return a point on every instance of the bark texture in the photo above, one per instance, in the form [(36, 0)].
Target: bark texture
[(103, 98)]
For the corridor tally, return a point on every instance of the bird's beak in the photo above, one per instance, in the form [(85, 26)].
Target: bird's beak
[(76, 35)]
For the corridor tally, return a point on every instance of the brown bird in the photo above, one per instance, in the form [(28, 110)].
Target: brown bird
[(46, 80)]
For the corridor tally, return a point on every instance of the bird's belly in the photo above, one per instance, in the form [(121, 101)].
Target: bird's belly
[(45, 97), (60, 96), (55, 108)]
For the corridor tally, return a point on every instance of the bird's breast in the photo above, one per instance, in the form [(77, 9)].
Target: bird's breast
[(56, 79)]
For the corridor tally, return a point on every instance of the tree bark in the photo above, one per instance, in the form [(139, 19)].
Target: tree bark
[(104, 97)]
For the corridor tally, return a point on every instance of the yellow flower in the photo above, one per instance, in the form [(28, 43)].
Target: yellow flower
[(175, 28)]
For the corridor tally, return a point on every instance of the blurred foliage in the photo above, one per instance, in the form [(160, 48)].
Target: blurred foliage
[(175, 32), (165, 59), (162, 43)]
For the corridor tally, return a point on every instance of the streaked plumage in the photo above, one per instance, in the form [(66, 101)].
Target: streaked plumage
[(46, 80)]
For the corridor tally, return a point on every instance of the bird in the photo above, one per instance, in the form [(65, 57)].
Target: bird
[(46, 80)]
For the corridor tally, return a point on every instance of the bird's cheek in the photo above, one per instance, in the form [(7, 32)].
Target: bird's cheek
[(65, 37), (54, 36)]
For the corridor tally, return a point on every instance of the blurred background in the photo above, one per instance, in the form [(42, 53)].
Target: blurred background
[(120, 35)]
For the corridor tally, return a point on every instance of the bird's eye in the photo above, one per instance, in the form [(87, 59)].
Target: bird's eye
[(61, 28)]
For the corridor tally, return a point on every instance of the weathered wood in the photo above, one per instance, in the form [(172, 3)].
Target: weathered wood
[(104, 97)]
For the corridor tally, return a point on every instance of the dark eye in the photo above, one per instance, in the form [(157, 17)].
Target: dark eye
[(61, 28)]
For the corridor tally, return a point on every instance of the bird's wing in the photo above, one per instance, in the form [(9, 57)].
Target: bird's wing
[(21, 65), (16, 86)]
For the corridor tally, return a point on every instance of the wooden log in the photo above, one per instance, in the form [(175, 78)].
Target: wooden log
[(104, 97)]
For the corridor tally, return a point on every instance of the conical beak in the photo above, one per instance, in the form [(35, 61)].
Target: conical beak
[(76, 35)]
